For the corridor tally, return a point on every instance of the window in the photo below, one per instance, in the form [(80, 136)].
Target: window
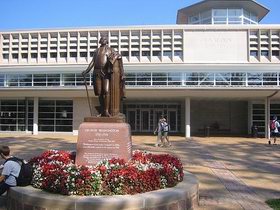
[(156, 53), (34, 55), (53, 55), (83, 54), (55, 115), (40, 80), (220, 12), (68, 79), (2, 80), (43, 55), (178, 53), (25, 80), (174, 79), (53, 79), (255, 78), (275, 52), (269, 79), (264, 53), (24, 55), (130, 78), (12, 115), (146, 53), (135, 53), (159, 78), (5, 56), (15, 56), (143, 79), (254, 53), (234, 12), (12, 80), (167, 53), (73, 54), (124, 53), (63, 54)]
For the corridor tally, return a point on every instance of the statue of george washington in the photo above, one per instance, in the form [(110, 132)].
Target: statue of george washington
[(108, 78)]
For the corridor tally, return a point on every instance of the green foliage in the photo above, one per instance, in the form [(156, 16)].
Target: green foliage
[(274, 203)]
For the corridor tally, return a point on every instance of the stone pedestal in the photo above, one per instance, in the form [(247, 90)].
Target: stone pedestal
[(103, 140)]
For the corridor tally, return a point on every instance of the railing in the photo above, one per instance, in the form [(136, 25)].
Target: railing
[(149, 79)]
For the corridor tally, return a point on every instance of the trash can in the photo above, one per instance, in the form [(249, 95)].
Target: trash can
[(206, 131), (254, 131)]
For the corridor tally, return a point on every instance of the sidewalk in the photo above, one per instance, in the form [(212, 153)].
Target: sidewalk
[(234, 173)]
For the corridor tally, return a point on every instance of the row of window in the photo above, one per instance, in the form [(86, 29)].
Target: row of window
[(264, 43), (203, 79), (179, 79), (54, 115), (81, 44), (16, 115)]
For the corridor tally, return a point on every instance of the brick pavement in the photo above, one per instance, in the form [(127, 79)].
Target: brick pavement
[(234, 173)]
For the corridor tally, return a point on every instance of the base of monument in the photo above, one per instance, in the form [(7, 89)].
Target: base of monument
[(184, 195), (115, 119), (101, 140)]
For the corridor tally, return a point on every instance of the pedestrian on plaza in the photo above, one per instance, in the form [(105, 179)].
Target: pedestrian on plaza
[(10, 170), (158, 132), (165, 131), (274, 129)]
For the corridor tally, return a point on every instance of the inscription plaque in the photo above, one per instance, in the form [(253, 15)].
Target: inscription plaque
[(98, 141)]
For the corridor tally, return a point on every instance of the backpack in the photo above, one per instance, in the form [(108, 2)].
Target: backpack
[(272, 125), (26, 171), (165, 127)]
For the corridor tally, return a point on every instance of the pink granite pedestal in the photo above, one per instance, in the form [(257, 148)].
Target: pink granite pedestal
[(103, 140)]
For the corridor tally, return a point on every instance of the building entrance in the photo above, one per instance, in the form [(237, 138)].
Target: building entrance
[(143, 118)]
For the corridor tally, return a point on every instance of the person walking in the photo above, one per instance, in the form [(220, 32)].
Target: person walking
[(274, 129), (165, 131), (158, 132)]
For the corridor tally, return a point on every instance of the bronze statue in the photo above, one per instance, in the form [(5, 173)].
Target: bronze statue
[(108, 78)]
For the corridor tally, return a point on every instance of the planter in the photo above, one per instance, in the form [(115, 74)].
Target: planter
[(181, 197)]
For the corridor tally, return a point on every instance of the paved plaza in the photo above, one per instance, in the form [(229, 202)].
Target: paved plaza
[(234, 173)]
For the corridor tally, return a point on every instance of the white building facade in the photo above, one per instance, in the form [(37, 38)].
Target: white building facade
[(217, 68)]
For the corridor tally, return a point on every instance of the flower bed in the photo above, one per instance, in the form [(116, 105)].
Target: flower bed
[(55, 171)]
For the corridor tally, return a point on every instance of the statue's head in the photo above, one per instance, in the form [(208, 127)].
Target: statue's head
[(103, 40)]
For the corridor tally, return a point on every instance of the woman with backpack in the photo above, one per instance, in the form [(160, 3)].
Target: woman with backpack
[(158, 132), (10, 171), (274, 132)]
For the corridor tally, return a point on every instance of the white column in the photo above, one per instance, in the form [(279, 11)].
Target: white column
[(267, 118), (250, 118), (188, 117), (35, 116)]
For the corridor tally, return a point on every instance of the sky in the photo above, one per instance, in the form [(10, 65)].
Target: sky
[(39, 14)]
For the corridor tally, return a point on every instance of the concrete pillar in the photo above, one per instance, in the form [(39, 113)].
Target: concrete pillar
[(35, 116), (250, 118), (188, 117), (267, 118)]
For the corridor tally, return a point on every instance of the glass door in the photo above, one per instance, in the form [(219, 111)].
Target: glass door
[(172, 120), (131, 119), (145, 120)]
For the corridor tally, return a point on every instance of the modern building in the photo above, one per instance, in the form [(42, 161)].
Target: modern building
[(217, 67)]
